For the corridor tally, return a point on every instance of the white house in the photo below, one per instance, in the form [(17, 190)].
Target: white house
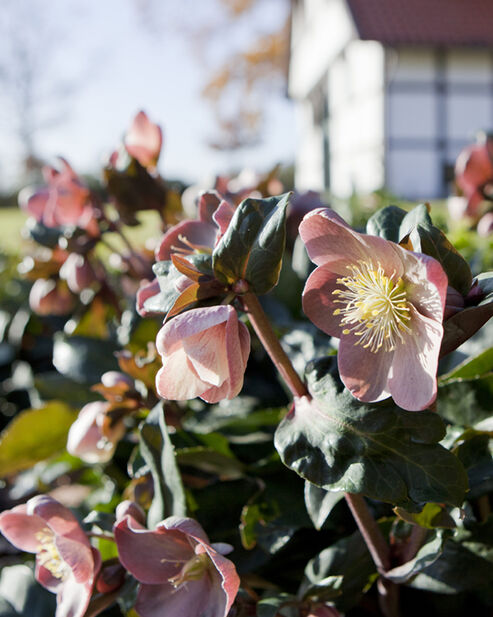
[(388, 91)]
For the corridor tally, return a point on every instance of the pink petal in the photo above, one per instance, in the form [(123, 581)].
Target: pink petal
[(20, 528), (428, 283), (412, 380), (188, 526), (144, 139), (223, 215), (197, 233), (73, 598), (189, 600), (85, 436), (230, 581), (363, 372), (207, 353), (208, 202), (318, 300), (151, 556), (146, 290), (33, 202), (183, 388), (329, 240), (78, 556), (59, 518)]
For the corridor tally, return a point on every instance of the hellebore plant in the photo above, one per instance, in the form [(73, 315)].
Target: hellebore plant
[(180, 572), (66, 564), (383, 302), (208, 347)]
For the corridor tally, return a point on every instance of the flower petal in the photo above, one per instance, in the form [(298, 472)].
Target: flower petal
[(20, 528), (412, 380), (189, 600), (197, 233), (59, 518), (319, 300), (363, 372), (73, 598), (151, 556)]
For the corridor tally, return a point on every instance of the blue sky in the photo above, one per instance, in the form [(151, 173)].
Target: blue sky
[(127, 55)]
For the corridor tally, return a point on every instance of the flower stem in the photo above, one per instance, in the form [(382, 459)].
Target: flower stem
[(369, 529), (271, 343)]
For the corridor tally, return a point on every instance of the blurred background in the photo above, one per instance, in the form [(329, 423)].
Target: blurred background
[(359, 100)]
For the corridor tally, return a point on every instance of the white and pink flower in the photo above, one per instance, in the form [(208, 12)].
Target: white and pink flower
[(384, 303)]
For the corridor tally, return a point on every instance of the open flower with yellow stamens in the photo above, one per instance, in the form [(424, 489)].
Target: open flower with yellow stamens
[(383, 302), (66, 564), (181, 573)]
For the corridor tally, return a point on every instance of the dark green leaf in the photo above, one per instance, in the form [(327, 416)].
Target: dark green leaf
[(433, 515), (339, 573), (84, 359), (429, 552), (209, 461), (271, 605), (428, 239), (386, 223), (52, 384), (461, 326), (417, 216), (46, 236), (378, 450), (472, 368), (22, 595), (465, 564), (319, 503), (253, 245), (167, 275), (34, 435), (159, 454), (466, 401)]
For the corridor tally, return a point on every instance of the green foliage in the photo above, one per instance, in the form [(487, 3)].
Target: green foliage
[(252, 247), (159, 454), (33, 436), (378, 450)]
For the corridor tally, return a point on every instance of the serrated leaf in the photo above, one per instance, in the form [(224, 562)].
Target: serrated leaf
[(319, 503), (34, 435), (253, 245), (386, 223), (378, 450), (159, 454)]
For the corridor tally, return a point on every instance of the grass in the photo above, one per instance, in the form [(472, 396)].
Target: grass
[(12, 221)]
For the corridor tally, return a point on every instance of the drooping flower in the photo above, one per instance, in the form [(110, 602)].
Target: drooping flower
[(66, 564), (474, 174), (94, 435), (180, 572), (144, 140), (383, 302), (205, 352), (65, 201)]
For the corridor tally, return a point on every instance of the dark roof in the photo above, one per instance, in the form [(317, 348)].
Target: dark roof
[(424, 22)]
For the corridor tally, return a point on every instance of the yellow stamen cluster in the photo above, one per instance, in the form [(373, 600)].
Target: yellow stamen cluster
[(193, 570), (375, 306), (48, 555)]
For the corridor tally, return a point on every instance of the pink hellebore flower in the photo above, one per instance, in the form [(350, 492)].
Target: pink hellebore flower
[(143, 140), (386, 305), (180, 572), (91, 437), (65, 201), (474, 175), (78, 272), (205, 352), (66, 564)]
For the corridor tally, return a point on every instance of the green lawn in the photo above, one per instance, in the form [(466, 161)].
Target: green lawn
[(12, 220)]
